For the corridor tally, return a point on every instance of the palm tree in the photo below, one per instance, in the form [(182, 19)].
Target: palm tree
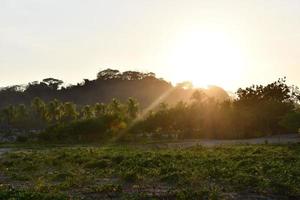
[(87, 112), (21, 114), (39, 109), (115, 106), (8, 114), (69, 111), (100, 109), (54, 111), (132, 108)]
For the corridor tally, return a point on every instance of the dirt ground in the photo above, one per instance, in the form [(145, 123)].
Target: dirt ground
[(275, 139)]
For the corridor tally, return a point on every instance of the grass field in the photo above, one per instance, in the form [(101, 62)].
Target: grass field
[(227, 172)]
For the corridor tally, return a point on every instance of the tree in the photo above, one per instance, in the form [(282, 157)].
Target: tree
[(277, 91), (108, 74), (13, 89), (54, 111), (132, 108), (132, 75), (69, 111), (267, 105), (38, 107), (8, 115), (100, 109), (53, 83), (87, 112), (115, 107), (21, 114), (291, 121)]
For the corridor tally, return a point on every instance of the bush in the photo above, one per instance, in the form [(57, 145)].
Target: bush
[(90, 130)]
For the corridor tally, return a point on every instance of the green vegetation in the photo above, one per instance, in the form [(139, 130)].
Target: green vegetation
[(109, 84), (7, 192), (256, 111), (47, 169), (137, 173)]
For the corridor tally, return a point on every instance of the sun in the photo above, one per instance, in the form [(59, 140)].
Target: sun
[(206, 58)]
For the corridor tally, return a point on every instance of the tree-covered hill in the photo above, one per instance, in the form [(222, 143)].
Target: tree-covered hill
[(109, 84)]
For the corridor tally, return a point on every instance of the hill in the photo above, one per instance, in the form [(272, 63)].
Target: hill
[(145, 87)]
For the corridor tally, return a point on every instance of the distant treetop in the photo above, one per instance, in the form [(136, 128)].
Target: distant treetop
[(109, 74)]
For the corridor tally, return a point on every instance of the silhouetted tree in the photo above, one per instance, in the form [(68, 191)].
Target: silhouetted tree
[(108, 74), (53, 83)]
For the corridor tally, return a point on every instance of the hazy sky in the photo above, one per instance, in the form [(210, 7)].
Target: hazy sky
[(227, 43)]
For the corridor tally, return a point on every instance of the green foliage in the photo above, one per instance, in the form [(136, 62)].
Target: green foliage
[(91, 130), (66, 121), (196, 173), (11, 193), (257, 111), (291, 121), (108, 190)]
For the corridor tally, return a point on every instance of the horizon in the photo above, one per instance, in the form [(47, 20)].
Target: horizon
[(230, 44), (196, 87)]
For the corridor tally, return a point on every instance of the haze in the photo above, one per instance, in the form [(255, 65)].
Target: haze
[(227, 43)]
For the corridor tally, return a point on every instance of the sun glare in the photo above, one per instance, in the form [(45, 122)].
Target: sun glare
[(206, 58)]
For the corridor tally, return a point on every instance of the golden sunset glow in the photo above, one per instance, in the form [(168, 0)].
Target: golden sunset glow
[(206, 58), (226, 43), (149, 99)]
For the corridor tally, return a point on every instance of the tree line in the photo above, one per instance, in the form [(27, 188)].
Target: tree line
[(109, 83), (40, 115), (256, 111)]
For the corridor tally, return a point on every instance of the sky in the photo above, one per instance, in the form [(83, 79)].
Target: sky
[(230, 43)]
